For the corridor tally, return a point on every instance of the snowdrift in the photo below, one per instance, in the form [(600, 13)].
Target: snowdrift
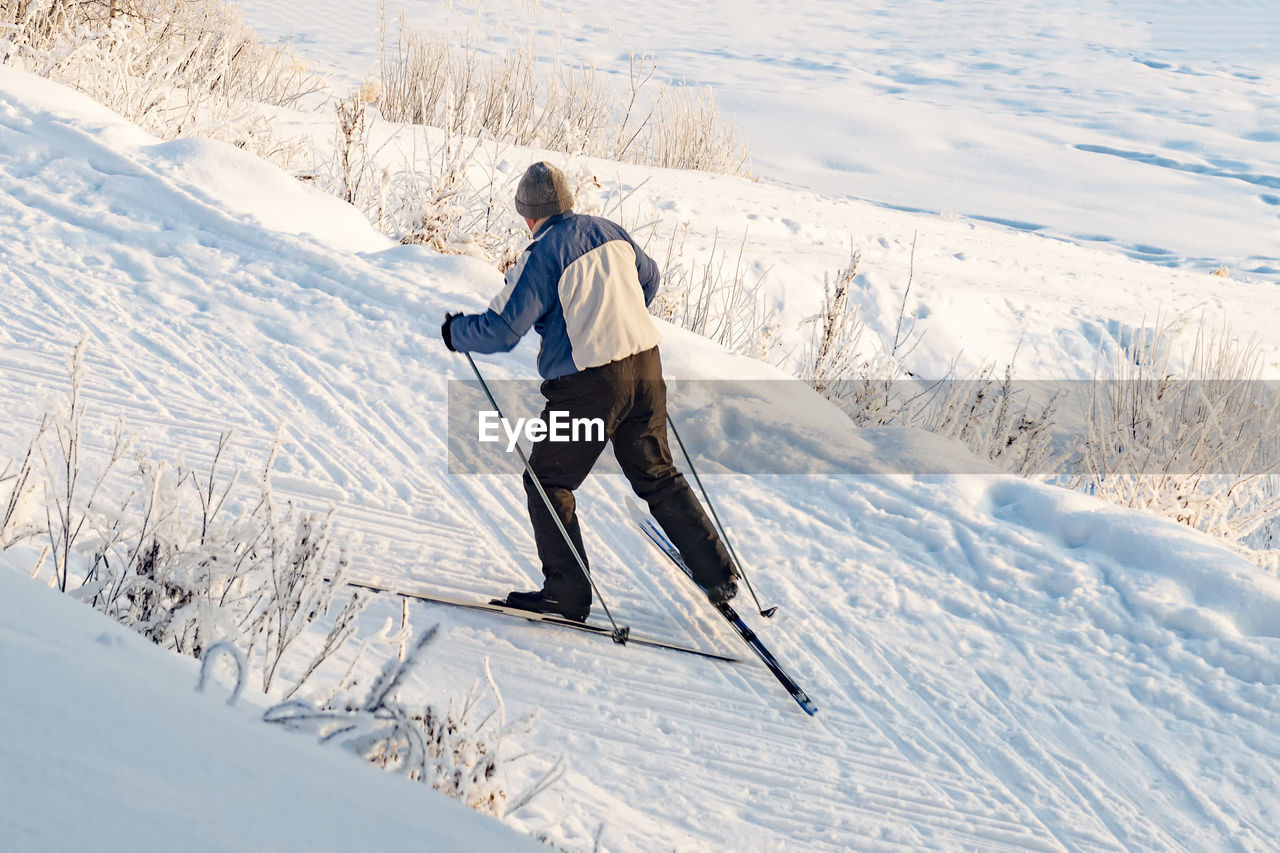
[(108, 747)]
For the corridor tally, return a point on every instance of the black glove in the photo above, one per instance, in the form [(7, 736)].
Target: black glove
[(445, 333)]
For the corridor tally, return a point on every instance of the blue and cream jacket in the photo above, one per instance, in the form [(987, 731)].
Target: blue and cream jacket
[(583, 285)]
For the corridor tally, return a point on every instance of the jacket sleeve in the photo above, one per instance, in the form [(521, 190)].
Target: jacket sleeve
[(648, 273), (511, 313)]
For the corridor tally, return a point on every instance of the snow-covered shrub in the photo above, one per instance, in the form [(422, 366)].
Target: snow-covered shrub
[(859, 377), (17, 504), (685, 132), (434, 81), (1190, 434), (351, 151), (834, 354), (874, 387), (72, 483), (458, 203), (300, 572), (447, 194), (174, 67), (513, 98), (457, 751), (713, 299), (991, 420), (437, 204), (186, 560)]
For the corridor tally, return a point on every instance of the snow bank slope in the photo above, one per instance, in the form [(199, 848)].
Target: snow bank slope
[(999, 665), (107, 746)]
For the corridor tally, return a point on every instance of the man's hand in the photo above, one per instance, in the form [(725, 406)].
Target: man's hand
[(445, 333)]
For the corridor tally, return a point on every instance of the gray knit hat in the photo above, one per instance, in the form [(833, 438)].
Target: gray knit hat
[(543, 192)]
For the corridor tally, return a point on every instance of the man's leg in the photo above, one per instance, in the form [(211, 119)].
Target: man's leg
[(640, 444), (560, 468)]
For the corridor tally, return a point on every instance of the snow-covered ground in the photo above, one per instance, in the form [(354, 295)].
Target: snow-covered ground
[(1150, 127), (998, 664), (106, 746)]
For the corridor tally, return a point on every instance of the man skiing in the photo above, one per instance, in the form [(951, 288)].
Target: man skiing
[(584, 286)]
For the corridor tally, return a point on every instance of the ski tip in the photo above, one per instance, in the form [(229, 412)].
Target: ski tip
[(807, 704)]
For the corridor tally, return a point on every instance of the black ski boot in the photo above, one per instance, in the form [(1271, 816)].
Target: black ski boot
[(539, 601), (723, 592)]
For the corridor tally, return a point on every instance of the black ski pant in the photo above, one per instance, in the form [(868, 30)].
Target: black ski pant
[(630, 397)]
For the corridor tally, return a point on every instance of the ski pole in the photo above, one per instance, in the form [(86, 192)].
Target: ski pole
[(619, 634), (720, 526)]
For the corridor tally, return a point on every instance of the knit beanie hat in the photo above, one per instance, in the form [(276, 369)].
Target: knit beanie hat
[(543, 192)]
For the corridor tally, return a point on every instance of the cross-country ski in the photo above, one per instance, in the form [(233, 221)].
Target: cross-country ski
[(663, 544), (497, 606)]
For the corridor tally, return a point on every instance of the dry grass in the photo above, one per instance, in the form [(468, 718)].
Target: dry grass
[(174, 67), (513, 97)]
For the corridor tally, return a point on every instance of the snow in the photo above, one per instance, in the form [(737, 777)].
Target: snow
[(1149, 127), (999, 665), (108, 747)]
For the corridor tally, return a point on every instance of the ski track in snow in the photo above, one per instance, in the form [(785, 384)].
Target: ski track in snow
[(990, 671)]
